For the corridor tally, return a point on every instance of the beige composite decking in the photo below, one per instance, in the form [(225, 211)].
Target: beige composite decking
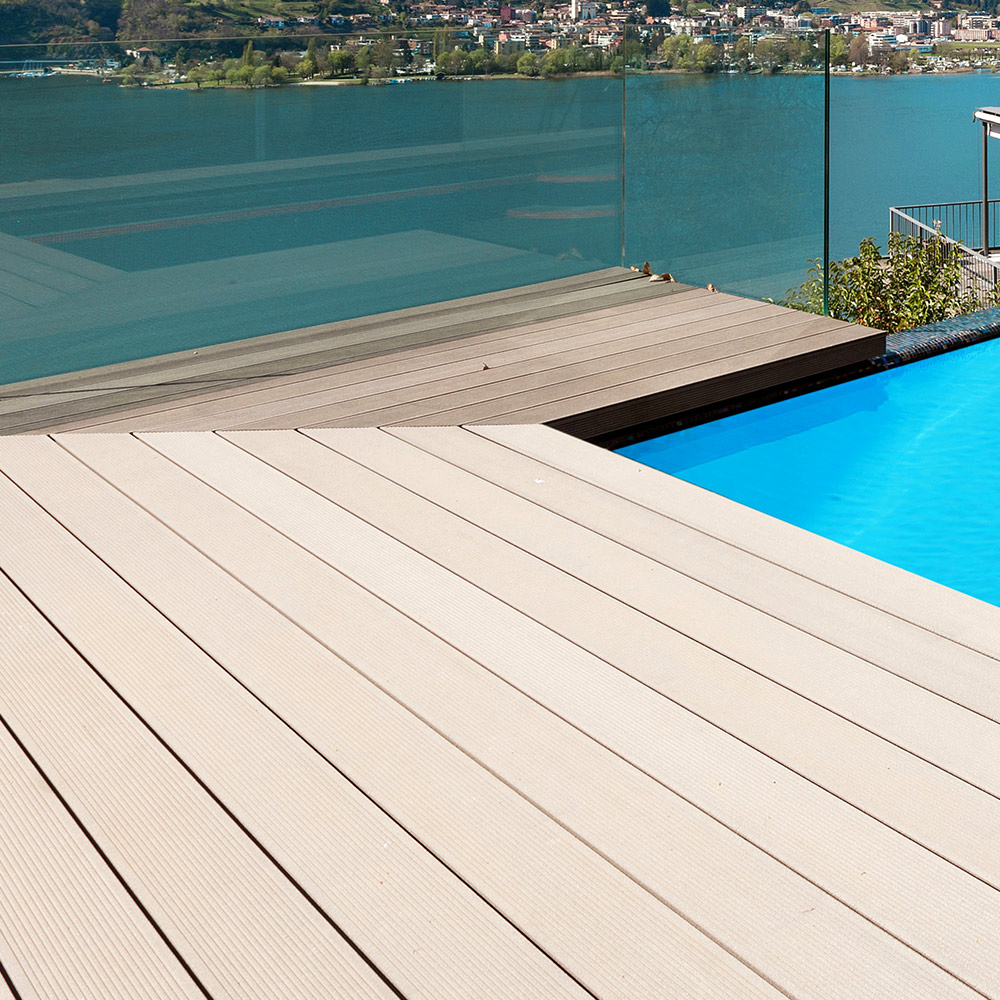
[(472, 710)]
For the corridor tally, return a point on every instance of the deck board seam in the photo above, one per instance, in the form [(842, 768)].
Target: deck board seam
[(176, 755), (735, 735), (477, 428), (72, 812), (11, 992), (747, 603)]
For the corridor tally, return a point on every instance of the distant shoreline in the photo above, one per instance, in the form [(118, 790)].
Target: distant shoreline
[(432, 78)]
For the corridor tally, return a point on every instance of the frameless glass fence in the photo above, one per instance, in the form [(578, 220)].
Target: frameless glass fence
[(159, 216), (162, 216), (724, 163)]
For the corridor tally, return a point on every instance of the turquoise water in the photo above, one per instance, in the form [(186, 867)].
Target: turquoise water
[(903, 465), (136, 222)]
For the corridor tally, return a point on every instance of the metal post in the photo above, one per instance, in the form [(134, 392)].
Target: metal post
[(624, 120), (986, 196), (826, 173)]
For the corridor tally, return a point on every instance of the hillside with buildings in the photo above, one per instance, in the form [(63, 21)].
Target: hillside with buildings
[(395, 37)]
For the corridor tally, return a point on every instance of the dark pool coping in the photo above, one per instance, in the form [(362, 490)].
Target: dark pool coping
[(902, 348), (937, 338)]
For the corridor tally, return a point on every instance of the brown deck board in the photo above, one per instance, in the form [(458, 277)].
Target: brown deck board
[(429, 365), (416, 364), (728, 323), (63, 399), (634, 367), (618, 329), (651, 390)]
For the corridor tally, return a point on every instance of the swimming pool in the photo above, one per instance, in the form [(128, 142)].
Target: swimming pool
[(903, 465)]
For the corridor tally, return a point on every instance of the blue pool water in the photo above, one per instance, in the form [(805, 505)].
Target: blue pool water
[(903, 465)]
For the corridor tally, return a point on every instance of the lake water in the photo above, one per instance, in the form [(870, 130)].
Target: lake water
[(134, 222)]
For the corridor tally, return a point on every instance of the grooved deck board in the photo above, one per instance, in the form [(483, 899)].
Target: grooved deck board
[(235, 919), (564, 897), (871, 657), (65, 920), (368, 875), (456, 612), (953, 615), (901, 796), (541, 715)]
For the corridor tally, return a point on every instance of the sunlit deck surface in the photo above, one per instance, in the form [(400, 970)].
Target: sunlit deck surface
[(471, 711)]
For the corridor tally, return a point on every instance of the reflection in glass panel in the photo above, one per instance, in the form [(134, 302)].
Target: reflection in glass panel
[(139, 221), (724, 173)]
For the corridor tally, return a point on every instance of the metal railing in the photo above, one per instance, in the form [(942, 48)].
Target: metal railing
[(961, 220), (959, 225)]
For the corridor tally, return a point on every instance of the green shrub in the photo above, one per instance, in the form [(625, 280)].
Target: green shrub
[(917, 282)]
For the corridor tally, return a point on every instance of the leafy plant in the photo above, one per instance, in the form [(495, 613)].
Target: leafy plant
[(917, 282)]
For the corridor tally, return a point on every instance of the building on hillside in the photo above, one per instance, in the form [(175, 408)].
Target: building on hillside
[(509, 44)]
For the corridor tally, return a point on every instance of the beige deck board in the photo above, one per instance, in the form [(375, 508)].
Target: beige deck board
[(237, 921), (627, 817), (515, 663), (427, 932), (882, 700), (65, 921), (724, 777), (473, 711), (947, 612), (567, 899), (911, 795)]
